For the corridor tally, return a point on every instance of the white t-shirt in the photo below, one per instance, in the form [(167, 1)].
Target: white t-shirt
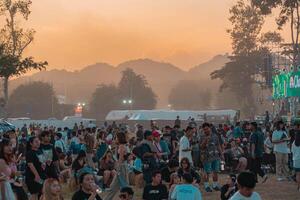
[(283, 146), (185, 144), (296, 155), (238, 196), (186, 192)]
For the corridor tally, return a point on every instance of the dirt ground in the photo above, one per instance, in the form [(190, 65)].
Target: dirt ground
[(271, 190)]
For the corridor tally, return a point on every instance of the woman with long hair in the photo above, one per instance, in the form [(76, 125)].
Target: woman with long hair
[(77, 165), (35, 168), (51, 190), (186, 168), (121, 179), (6, 151), (107, 168)]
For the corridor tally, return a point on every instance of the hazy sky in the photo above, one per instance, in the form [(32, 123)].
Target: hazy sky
[(74, 33)]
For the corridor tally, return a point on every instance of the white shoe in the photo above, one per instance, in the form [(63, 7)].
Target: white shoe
[(280, 179)]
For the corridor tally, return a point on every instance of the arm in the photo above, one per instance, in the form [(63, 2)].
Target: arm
[(34, 171)]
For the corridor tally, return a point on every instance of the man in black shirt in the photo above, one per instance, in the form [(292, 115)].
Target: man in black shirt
[(156, 190), (49, 155), (88, 189)]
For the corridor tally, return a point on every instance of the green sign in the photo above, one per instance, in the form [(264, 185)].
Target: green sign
[(286, 85)]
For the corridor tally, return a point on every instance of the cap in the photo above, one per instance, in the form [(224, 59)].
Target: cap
[(156, 133)]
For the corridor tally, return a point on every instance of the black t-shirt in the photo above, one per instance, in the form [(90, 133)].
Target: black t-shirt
[(224, 189), (50, 154), (158, 192), (81, 195), (49, 150), (33, 157)]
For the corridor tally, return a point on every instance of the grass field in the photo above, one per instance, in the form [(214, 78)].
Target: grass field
[(271, 190)]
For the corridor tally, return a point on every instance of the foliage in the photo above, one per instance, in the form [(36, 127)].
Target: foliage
[(131, 87), (135, 87), (36, 100), (14, 40), (250, 47), (288, 13), (189, 94), (104, 99)]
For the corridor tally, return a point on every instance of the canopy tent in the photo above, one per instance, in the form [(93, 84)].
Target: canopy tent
[(146, 115), (5, 126)]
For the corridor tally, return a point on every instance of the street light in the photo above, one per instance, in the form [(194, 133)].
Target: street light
[(128, 102)]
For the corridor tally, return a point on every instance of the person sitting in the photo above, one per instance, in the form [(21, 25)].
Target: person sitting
[(185, 168), (126, 193), (88, 188), (106, 169), (246, 184), (174, 180), (186, 190), (51, 190), (77, 165), (238, 156), (229, 189), (171, 168), (155, 190), (65, 170)]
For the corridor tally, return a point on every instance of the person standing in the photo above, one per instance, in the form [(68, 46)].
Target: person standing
[(35, 170), (296, 155), (280, 140), (178, 121), (50, 155), (211, 155), (256, 149), (6, 152), (185, 150)]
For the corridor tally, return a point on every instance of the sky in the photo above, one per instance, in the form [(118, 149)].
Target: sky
[(71, 34)]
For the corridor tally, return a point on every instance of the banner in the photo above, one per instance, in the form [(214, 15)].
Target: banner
[(286, 85)]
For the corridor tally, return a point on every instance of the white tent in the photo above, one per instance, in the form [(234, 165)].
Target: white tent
[(146, 115)]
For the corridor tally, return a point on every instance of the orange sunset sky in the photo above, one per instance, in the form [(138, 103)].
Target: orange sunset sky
[(74, 33)]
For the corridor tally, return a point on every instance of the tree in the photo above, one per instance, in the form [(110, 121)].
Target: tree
[(249, 51), (135, 87), (189, 94), (13, 41), (289, 13), (104, 99), (36, 100)]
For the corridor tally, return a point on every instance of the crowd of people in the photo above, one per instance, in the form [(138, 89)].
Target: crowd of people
[(170, 162)]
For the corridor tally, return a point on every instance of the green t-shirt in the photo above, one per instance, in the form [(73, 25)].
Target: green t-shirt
[(257, 138)]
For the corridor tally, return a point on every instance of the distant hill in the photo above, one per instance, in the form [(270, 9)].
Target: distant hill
[(78, 86)]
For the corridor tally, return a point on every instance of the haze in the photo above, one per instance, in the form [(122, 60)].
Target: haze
[(74, 33)]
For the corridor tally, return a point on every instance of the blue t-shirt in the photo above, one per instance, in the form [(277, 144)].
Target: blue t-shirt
[(137, 164), (186, 191)]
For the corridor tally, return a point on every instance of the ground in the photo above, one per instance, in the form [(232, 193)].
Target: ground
[(271, 190)]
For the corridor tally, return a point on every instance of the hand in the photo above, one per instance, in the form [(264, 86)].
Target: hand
[(48, 162), (37, 179), (3, 177), (231, 189)]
